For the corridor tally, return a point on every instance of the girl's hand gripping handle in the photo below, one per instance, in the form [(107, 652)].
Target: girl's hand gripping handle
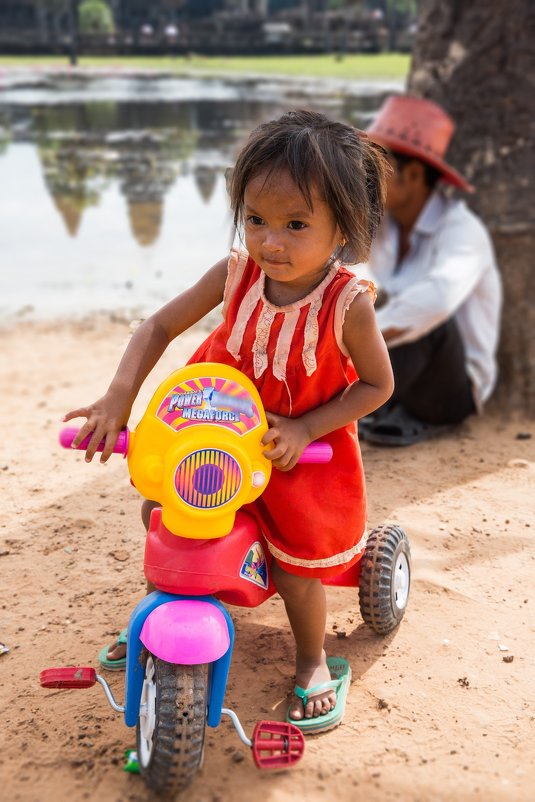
[(67, 435), (318, 452)]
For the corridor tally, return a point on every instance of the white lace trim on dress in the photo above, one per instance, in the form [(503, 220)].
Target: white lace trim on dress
[(323, 562), (236, 265), (245, 312), (354, 287), (267, 315), (284, 343)]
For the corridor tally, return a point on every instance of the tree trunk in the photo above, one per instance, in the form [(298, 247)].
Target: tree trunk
[(73, 32), (477, 60)]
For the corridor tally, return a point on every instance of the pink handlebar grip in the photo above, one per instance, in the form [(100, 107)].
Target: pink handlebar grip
[(67, 435), (317, 452)]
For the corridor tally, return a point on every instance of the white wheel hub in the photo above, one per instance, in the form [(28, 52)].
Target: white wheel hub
[(147, 713), (401, 581)]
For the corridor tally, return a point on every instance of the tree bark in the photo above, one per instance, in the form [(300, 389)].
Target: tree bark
[(477, 60)]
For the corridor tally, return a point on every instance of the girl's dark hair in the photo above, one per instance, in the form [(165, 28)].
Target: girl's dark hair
[(346, 168)]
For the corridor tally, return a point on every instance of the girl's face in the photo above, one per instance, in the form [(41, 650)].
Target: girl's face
[(290, 242)]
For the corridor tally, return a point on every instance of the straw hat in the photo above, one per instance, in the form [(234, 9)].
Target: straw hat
[(417, 127)]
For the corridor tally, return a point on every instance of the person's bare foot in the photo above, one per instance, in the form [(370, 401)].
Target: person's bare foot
[(307, 676), (116, 651)]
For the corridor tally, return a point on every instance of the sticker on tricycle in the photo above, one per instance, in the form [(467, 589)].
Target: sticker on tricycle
[(254, 567), (221, 402)]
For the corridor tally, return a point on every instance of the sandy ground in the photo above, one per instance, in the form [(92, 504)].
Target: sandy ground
[(442, 709)]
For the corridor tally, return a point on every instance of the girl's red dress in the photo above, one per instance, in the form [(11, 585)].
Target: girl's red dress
[(314, 516)]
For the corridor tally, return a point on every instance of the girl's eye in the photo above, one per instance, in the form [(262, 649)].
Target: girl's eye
[(296, 225), (255, 220)]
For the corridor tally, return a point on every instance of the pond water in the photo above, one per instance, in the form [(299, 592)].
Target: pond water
[(112, 189)]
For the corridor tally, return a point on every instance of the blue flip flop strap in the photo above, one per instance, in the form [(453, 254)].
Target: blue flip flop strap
[(122, 636), (334, 684)]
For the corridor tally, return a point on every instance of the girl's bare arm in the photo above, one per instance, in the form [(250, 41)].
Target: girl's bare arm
[(369, 354), (109, 414)]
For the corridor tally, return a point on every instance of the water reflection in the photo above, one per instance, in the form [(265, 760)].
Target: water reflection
[(134, 170)]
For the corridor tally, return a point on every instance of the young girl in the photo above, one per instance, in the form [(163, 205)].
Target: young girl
[(307, 195)]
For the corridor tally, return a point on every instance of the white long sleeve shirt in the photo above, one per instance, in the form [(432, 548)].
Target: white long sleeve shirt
[(449, 270)]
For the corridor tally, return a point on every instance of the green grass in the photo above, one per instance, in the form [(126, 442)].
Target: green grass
[(354, 66)]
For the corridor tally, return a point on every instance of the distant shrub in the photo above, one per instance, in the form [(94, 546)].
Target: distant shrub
[(95, 16)]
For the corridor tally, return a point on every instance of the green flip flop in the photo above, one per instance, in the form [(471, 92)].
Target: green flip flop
[(341, 677), (113, 665)]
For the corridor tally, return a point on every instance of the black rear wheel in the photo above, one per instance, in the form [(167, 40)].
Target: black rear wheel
[(171, 724), (385, 578)]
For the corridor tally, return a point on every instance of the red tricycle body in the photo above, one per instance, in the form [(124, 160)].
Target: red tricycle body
[(235, 569)]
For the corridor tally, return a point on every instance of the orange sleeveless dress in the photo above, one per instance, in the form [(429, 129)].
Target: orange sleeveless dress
[(314, 516)]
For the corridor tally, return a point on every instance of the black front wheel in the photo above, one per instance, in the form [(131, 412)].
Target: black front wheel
[(385, 578), (171, 724)]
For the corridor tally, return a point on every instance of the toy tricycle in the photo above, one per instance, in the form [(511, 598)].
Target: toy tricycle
[(198, 452)]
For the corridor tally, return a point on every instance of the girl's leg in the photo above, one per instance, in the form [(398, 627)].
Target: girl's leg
[(306, 607), (118, 650)]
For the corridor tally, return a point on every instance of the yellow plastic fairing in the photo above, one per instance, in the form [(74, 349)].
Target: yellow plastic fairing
[(198, 451)]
